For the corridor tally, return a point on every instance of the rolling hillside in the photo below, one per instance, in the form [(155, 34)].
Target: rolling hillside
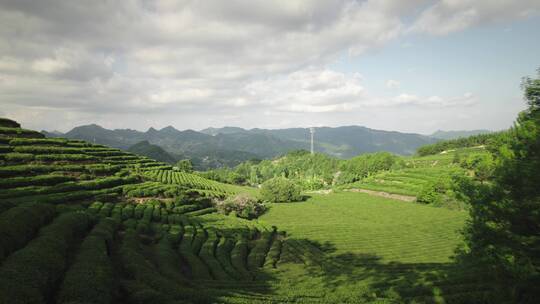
[(82, 222)]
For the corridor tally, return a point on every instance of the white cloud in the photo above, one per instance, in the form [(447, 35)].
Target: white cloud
[(392, 84), (448, 16), (467, 99), (49, 66), (311, 90), (148, 61)]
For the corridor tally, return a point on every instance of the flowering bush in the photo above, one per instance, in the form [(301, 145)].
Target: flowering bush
[(242, 205)]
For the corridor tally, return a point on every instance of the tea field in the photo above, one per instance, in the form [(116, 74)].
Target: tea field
[(85, 223), (418, 172)]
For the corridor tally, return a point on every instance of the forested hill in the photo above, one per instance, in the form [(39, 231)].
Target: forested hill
[(229, 146), (144, 148)]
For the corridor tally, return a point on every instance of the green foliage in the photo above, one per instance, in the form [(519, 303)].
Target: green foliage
[(310, 172), (189, 247), (149, 189), (504, 231), (482, 165), (429, 195), (95, 184), (239, 255), (19, 224), (260, 248), (18, 132), (280, 190), (18, 157), (8, 123), (463, 142), (29, 275), (184, 165), (90, 279), (38, 141), (40, 180), (361, 166), (146, 281), (189, 181), (436, 192)]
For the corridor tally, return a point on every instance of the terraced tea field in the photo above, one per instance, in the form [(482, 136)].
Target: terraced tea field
[(84, 223), (355, 247), (419, 172), (405, 181), (359, 223)]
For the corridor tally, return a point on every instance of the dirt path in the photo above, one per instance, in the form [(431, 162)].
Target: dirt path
[(405, 198)]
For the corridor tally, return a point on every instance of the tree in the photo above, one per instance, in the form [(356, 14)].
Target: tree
[(504, 230), (280, 190), (185, 165)]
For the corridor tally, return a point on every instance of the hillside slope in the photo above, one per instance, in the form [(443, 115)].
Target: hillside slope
[(144, 148)]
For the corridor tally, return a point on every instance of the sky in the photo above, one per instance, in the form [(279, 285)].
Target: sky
[(411, 66)]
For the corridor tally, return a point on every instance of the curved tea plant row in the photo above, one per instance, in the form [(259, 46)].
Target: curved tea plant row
[(199, 184)]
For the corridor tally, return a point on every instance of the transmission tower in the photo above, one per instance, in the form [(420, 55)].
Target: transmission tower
[(312, 131)]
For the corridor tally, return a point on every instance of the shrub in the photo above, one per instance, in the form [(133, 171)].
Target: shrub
[(142, 272), (40, 180), (19, 225), (95, 207), (128, 212), (239, 257), (429, 195), (280, 190), (19, 157), (29, 275), (261, 246), (90, 279), (243, 205)]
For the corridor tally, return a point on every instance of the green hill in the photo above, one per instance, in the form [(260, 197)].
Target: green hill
[(144, 148)]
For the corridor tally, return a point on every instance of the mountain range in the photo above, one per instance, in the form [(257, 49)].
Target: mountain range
[(229, 146)]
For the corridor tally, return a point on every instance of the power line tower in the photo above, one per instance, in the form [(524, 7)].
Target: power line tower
[(312, 131)]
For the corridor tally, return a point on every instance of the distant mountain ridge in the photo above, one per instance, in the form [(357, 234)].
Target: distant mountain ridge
[(229, 146)]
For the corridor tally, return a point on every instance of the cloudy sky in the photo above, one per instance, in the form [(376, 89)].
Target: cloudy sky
[(414, 66)]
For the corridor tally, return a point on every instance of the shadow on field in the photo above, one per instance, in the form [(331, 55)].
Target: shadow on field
[(400, 282), (306, 271)]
